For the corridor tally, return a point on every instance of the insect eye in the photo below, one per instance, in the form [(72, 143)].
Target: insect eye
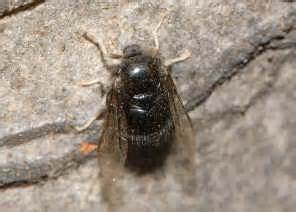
[(132, 50)]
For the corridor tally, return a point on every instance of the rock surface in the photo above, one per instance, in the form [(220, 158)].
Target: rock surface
[(238, 87)]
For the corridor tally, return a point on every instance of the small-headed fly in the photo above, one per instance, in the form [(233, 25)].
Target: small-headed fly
[(144, 115)]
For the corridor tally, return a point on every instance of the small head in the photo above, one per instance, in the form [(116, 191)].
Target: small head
[(132, 51)]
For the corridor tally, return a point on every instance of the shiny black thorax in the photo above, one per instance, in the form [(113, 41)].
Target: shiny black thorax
[(145, 104)]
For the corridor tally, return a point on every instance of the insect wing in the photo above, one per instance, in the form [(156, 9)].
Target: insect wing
[(112, 150), (112, 143), (185, 139)]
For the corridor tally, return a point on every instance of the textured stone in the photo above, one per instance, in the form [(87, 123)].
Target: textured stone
[(10, 7), (238, 86)]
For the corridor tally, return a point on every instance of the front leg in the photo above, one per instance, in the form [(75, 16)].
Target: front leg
[(155, 35), (181, 58), (112, 68)]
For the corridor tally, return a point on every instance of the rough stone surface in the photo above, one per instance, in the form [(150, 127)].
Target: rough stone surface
[(11, 7), (238, 87)]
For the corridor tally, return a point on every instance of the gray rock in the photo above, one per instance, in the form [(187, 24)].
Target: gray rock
[(11, 7), (238, 87)]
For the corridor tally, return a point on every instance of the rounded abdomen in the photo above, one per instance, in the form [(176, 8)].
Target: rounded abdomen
[(150, 130)]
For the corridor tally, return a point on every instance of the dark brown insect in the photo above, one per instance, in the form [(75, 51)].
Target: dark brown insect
[(144, 115)]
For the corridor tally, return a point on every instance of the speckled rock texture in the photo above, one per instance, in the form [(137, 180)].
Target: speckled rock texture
[(238, 87)]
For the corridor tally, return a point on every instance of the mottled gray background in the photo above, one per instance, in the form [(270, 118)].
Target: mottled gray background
[(239, 88)]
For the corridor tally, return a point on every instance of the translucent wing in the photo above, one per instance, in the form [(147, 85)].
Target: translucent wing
[(182, 160), (112, 145), (112, 150), (181, 117)]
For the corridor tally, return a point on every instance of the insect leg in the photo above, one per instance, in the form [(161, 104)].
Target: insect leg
[(91, 82), (98, 115), (103, 53), (182, 57), (110, 67), (155, 35), (103, 88)]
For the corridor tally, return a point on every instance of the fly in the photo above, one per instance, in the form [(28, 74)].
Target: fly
[(144, 118)]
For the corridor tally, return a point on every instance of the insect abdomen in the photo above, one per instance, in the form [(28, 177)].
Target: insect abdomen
[(150, 130)]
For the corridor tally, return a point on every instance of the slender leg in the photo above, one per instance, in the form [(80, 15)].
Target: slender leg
[(103, 88), (182, 57), (91, 82), (110, 67), (155, 35), (103, 52), (98, 115)]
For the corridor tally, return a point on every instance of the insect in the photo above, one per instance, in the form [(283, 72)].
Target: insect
[(144, 115)]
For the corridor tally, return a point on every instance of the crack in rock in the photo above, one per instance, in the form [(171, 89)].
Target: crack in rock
[(9, 8), (27, 173), (260, 45)]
